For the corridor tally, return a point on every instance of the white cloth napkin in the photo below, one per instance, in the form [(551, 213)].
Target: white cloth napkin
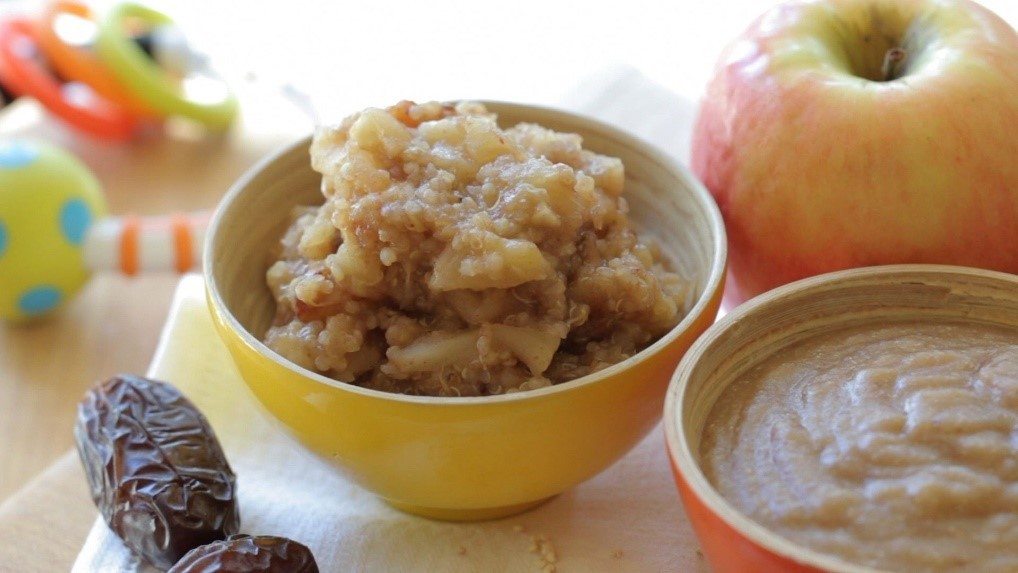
[(628, 518)]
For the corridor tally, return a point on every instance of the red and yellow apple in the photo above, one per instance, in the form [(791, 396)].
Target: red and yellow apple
[(846, 133)]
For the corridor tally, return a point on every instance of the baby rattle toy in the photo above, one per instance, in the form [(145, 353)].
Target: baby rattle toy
[(54, 228), (120, 83), (24, 72), (54, 232)]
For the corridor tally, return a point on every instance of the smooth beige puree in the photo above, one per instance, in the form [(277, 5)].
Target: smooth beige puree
[(890, 446)]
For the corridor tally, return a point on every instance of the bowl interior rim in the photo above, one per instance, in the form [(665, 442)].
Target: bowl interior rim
[(712, 285), (676, 440)]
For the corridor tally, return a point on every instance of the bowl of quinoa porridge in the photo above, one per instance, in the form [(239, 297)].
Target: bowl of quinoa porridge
[(466, 307), (860, 421)]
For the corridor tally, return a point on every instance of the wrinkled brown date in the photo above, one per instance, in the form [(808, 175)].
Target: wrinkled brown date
[(243, 553), (155, 469)]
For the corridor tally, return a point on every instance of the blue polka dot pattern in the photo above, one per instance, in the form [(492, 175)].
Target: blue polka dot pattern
[(14, 154), (3, 238), (75, 218), (38, 300)]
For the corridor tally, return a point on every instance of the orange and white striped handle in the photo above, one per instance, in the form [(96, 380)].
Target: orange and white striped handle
[(138, 244)]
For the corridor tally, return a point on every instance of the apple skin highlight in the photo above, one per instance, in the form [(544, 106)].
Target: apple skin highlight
[(817, 168)]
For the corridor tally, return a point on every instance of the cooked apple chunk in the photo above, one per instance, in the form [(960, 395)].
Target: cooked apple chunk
[(533, 345), (478, 259), (434, 351)]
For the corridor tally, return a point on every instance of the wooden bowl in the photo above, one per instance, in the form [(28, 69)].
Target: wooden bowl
[(773, 321), (464, 458)]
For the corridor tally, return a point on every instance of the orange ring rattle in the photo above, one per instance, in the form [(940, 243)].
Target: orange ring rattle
[(22, 74), (82, 65)]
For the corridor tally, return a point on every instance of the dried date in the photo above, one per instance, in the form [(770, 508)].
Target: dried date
[(155, 469), (243, 553)]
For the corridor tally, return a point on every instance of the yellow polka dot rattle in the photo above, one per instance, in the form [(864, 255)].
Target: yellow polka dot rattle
[(54, 232)]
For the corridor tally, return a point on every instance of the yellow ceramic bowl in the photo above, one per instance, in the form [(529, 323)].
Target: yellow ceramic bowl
[(464, 458)]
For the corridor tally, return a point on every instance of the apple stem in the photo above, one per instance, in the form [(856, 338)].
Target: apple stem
[(893, 58)]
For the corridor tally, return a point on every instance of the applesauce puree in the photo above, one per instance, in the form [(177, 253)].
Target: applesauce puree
[(891, 446)]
